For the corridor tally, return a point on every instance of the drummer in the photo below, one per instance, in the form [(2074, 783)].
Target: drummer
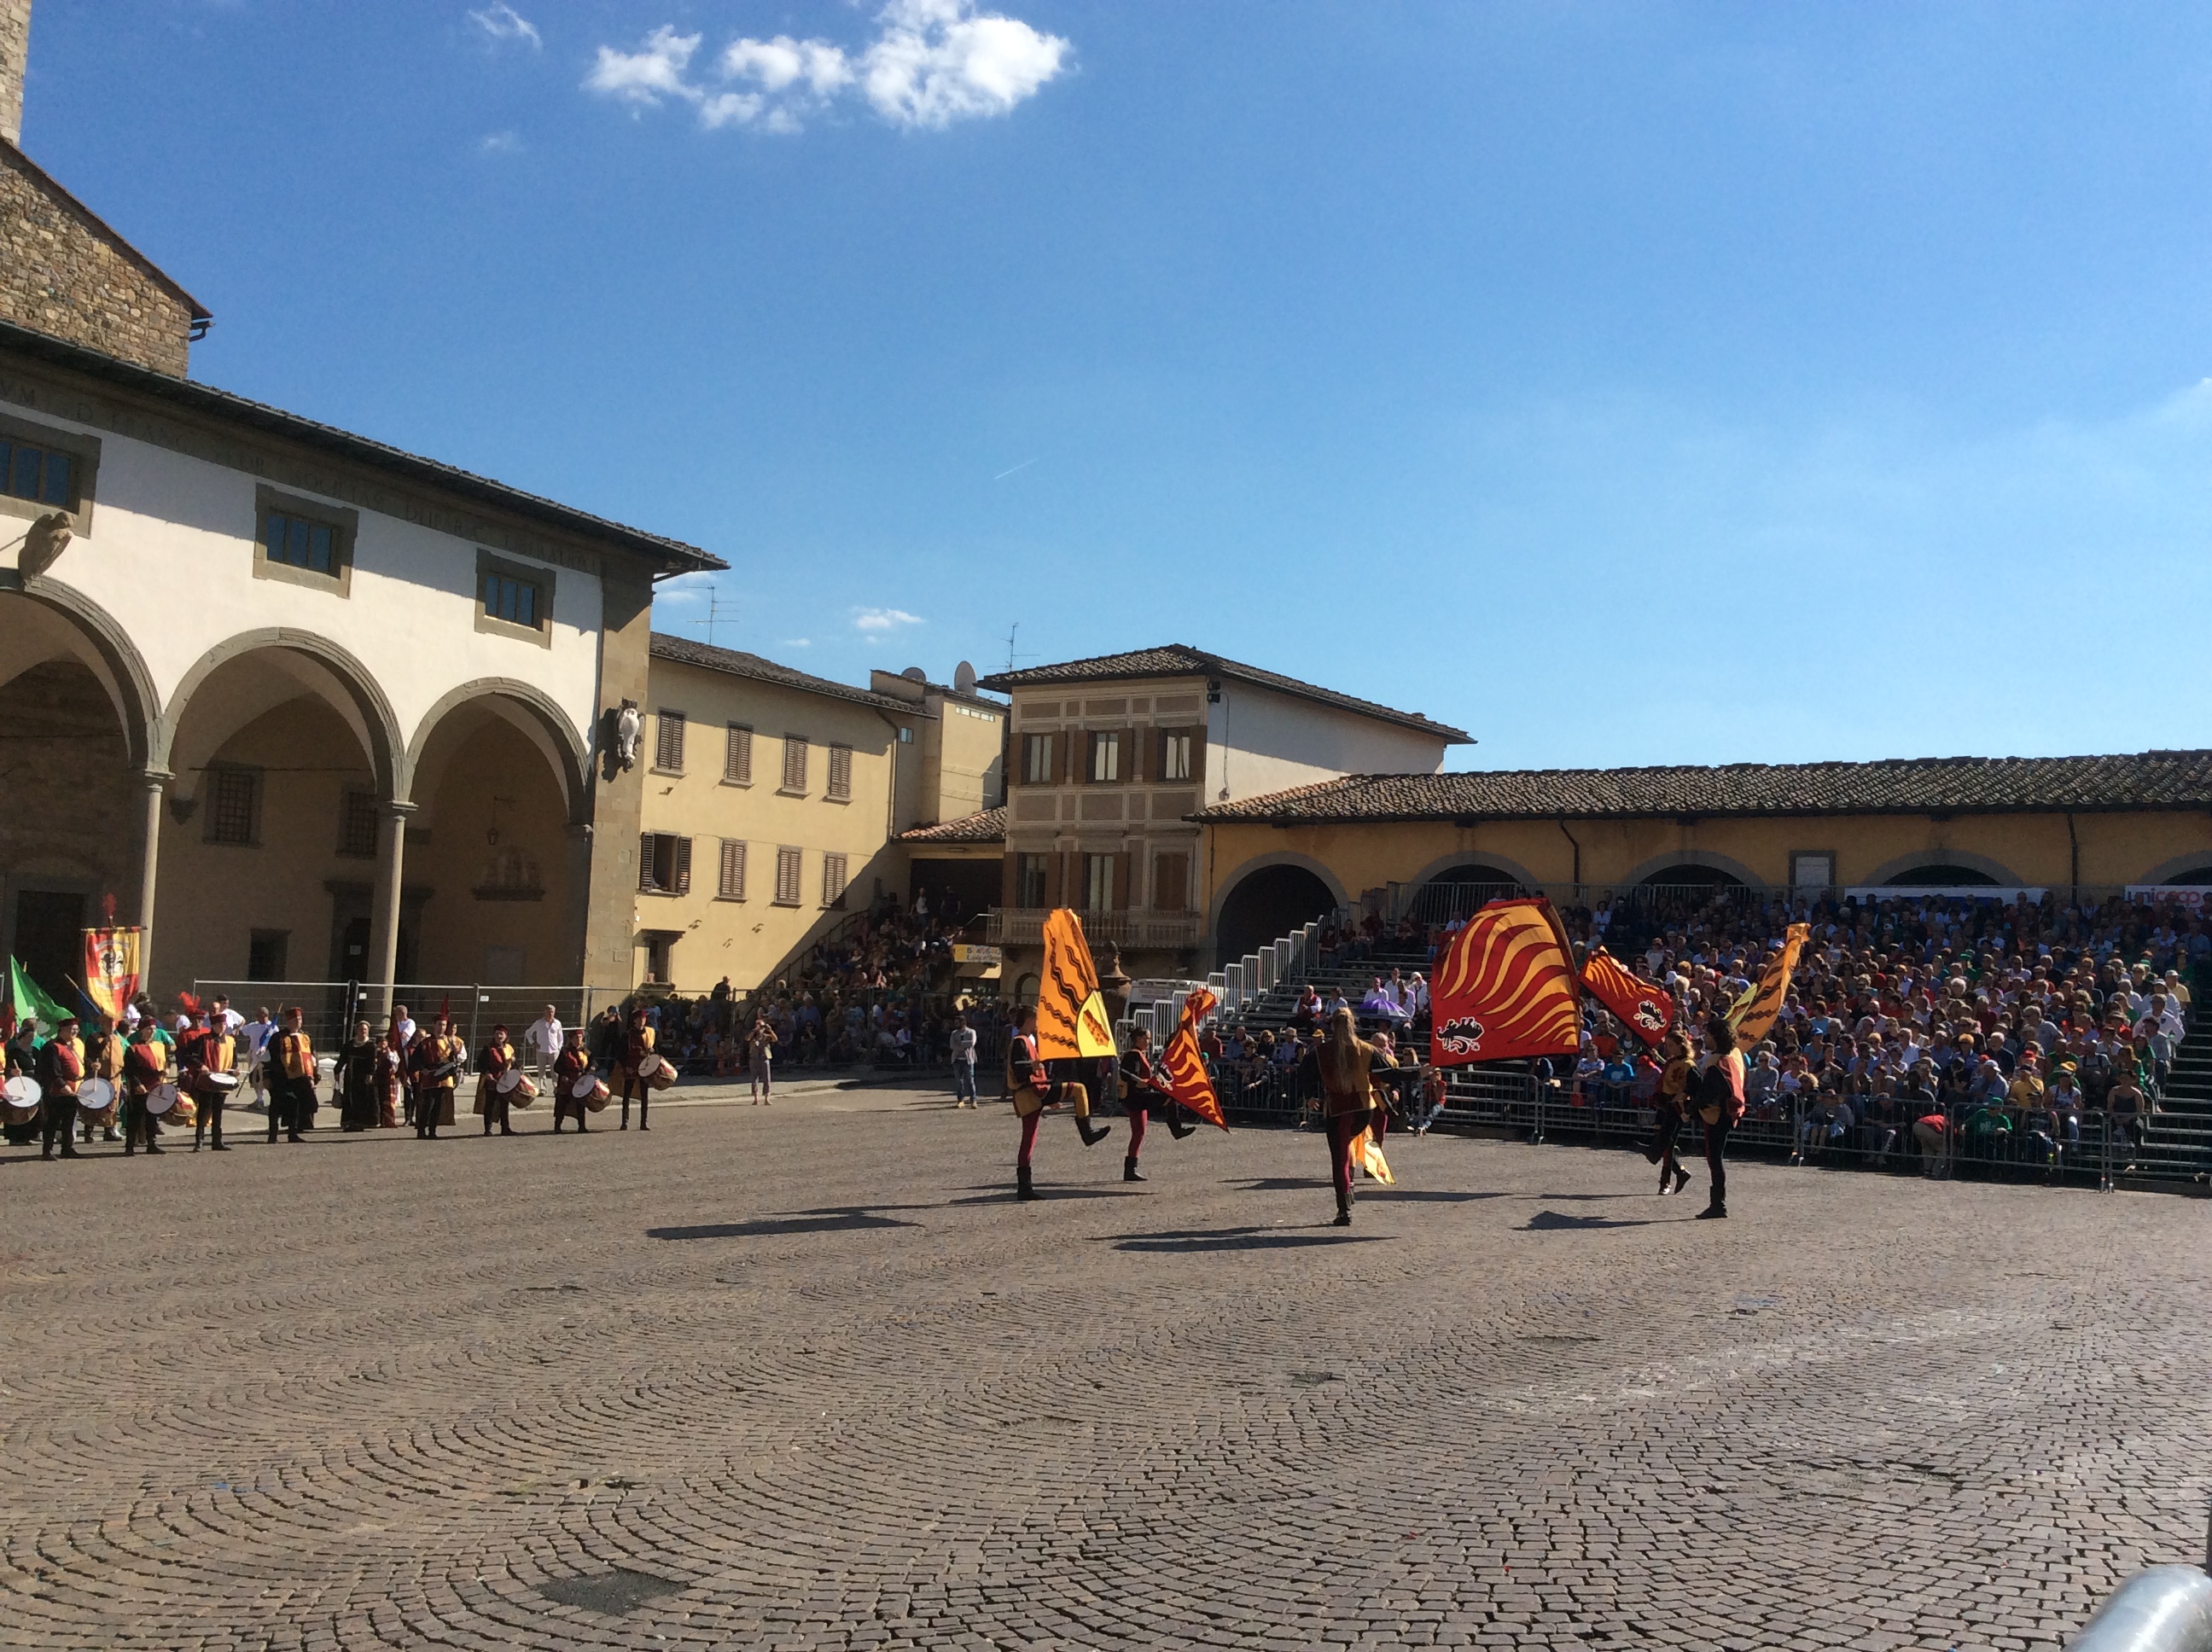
[(210, 1057), (497, 1060), (145, 1062), (637, 1059), (288, 1060), (570, 1068), (104, 1057), (60, 1069), (436, 1065)]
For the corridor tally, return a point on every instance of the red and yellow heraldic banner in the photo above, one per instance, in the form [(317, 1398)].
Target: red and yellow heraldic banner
[(1506, 988), (1071, 1023), (1182, 1065), (1646, 1011), (110, 969)]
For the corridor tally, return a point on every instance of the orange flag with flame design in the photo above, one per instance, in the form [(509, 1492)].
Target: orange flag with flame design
[(1071, 1023), (1506, 987), (1182, 1069), (1646, 1011)]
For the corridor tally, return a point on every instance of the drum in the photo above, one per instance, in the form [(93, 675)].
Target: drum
[(600, 1095), (225, 1082), (516, 1086), (160, 1099), (185, 1114), (20, 1096), (95, 1095), (657, 1072), (584, 1085)]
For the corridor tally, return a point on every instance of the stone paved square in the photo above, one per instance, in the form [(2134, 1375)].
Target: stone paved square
[(808, 1377)]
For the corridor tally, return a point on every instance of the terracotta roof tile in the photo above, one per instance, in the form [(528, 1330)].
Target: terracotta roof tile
[(2148, 780), (988, 826), (1180, 659), (736, 663)]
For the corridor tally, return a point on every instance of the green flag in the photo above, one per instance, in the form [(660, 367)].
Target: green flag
[(23, 993)]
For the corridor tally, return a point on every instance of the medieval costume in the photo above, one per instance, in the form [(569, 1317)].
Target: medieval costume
[(1142, 1091), (497, 1057), (569, 1066), (638, 1060), (210, 1059), (358, 1080), (1720, 1107), (1033, 1090), (288, 1060), (434, 1066), (60, 1071), (1350, 1103), (1670, 1105), (145, 1061)]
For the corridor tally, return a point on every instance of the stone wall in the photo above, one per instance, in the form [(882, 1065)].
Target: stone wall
[(15, 52), (62, 273), (67, 798)]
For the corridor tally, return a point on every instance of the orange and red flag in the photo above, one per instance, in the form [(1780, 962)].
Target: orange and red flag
[(1646, 1011), (1507, 987), (1182, 1069)]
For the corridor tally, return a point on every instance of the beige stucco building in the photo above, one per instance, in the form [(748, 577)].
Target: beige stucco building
[(1109, 757)]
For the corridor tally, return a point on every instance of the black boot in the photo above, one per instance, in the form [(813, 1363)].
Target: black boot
[(1713, 1213), (1092, 1134), (1343, 1210), (1177, 1128), (1129, 1169), (1681, 1178), (1023, 1187)]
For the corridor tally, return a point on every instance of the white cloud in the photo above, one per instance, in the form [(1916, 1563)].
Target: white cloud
[(939, 60), (502, 23), (641, 79), (507, 143), (931, 63), (883, 619), (796, 642)]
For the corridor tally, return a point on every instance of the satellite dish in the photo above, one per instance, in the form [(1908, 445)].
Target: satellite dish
[(963, 678), (914, 674)]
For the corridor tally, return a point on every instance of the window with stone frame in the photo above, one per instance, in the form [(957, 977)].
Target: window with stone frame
[(732, 884), (1175, 754), (1105, 756), (664, 864), (1036, 760)]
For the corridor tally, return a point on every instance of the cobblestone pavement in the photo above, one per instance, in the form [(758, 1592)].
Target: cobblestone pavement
[(808, 1377)]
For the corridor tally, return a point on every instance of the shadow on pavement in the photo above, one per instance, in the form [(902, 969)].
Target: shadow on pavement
[(1205, 1239), (836, 1221), (1006, 1195), (1544, 1221)]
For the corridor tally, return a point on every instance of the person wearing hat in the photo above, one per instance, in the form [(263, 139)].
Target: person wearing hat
[(434, 1064), (103, 1059), (60, 1070), (145, 1061), (209, 1052), (570, 1065), (288, 1060), (491, 1101), (637, 1057)]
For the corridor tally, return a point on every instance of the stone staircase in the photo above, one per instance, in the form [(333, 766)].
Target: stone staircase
[(2178, 1139)]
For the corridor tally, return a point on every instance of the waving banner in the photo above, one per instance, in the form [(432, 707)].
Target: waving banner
[(1646, 1011), (1753, 1015), (1506, 988), (1071, 1023), (1182, 1068), (110, 969)]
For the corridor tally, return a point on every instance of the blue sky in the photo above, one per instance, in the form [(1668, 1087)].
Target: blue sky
[(1635, 383)]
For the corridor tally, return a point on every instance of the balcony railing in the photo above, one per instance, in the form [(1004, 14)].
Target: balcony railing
[(1024, 926)]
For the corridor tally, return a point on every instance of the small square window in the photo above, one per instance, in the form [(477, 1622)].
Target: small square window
[(357, 824), (508, 598), (41, 472), (265, 950), (231, 800), (303, 543), (664, 864), (299, 542), (514, 599)]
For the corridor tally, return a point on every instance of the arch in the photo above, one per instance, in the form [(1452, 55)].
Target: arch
[(1701, 863), (1513, 871), (139, 706), (1275, 893), (386, 752), (1981, 869), (2195, 868), (541, 719)]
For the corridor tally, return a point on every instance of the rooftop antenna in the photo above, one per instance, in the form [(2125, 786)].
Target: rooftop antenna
[(1013, 631), (714, 606)]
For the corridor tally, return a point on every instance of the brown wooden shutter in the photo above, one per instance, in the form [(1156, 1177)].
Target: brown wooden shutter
[(1121, 882), (1055, 867), (1007, 886), (644, 862), (1198, 755), (684, 866)]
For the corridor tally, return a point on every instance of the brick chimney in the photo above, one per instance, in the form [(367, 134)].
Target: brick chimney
[(14, 53)]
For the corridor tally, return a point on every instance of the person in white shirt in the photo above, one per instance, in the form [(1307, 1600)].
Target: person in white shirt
[(541, 1042), (963, 1062), (257, 1033)]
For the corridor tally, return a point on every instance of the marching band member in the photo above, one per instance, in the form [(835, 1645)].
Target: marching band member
[(1142, 1091), (60, 1069), (497, 1057), (210, 1054), (1348, 1100), (104, 1057), (637, 1044), (1034, 1091), (1671, 1105), (436, 1065), (571, 1064), (289, 1062), (145, 1062)]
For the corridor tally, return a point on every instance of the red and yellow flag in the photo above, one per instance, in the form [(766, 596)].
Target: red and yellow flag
[(1071, 1023), (1646, 1011), (1182, 1068), (1753, 1014), (110, 969), (1506, 988)]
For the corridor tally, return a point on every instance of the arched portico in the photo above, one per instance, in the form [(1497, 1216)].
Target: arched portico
[(1269, 897), (1931, 868), (1693, 867)]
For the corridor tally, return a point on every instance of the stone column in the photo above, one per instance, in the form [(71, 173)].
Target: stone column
[(384, 905), (148, 831)]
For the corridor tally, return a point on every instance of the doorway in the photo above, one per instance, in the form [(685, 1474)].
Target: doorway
[(50, 939)]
